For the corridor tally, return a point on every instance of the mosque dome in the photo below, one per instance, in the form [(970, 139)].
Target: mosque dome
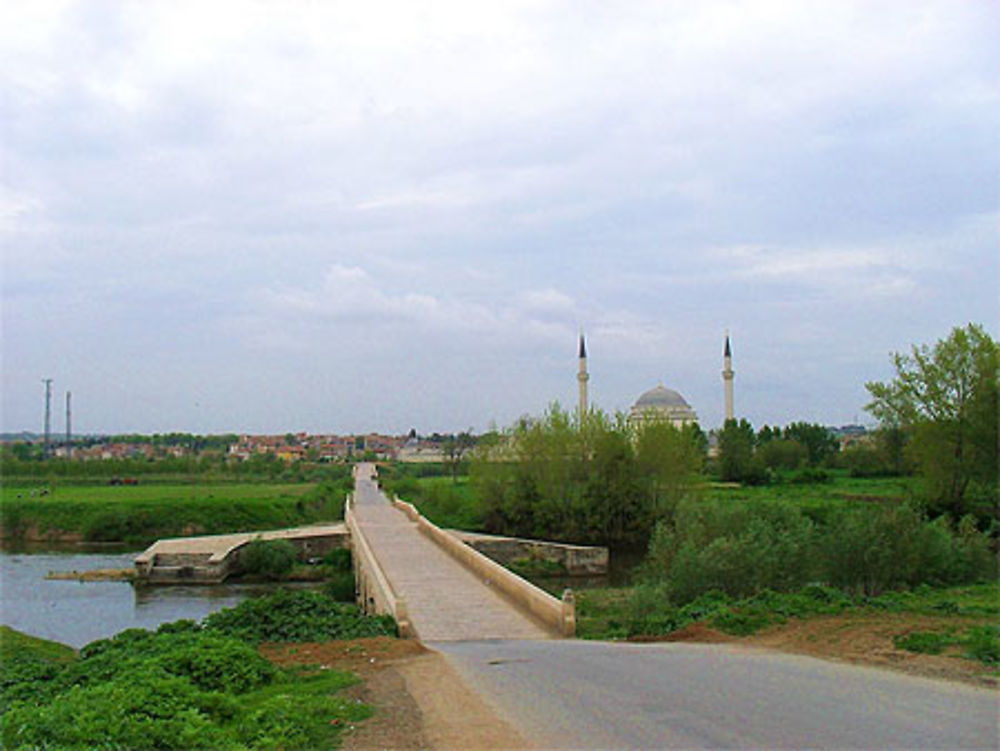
[(661, 397), (661, 403)]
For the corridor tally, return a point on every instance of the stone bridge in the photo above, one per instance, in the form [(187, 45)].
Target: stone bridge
[(437, 587), (436, 583)]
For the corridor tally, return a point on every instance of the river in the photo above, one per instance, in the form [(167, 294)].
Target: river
[(77, 613)]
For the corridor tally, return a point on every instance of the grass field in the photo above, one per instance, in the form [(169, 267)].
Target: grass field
[(141, 513), (840, 488), (455, 505)]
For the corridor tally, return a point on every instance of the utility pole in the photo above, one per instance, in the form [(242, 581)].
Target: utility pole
[(48, 416), (69, 427)]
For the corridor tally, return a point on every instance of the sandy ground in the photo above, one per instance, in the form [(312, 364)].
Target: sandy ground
[(421, 703)]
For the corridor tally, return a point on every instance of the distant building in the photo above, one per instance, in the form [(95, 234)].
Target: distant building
[(661, 404)]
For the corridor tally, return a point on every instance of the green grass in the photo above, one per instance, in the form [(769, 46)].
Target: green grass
[(448, 504), (819, 498), (15, 644), (142, 513)]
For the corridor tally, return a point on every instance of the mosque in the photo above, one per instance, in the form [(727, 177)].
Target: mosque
[(662, 403)]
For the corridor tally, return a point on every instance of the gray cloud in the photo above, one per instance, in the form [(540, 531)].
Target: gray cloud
[(276, 214)]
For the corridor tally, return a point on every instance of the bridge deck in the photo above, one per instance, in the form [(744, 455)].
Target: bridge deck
[(445, 601)]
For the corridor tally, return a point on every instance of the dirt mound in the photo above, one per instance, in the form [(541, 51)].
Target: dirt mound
[(694, 632)]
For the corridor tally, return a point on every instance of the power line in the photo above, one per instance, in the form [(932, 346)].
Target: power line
[(69, 429)]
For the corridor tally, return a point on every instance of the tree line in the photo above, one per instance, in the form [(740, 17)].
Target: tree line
[(598, 479)]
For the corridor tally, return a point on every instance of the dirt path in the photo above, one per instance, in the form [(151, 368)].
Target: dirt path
[(420, 701)]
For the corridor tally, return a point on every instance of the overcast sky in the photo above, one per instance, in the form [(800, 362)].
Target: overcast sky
[(353, 216)]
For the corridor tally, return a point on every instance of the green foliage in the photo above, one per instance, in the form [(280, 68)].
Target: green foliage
[(270, 559), (185, 686), (983, 643), (647, 610), (340, 585), (947, 399), (339, 559), (873, 550), (736, 459), (742, 549), (925, 642), (819, 443), (590, 481), (738, 550), (781, 454), (536, 567), (980, 643), (297, 615)]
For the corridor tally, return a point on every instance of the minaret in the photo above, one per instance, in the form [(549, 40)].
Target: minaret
[(727, 377), (582, 377)]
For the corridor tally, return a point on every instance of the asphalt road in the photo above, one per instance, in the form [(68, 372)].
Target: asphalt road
[(599, 695)]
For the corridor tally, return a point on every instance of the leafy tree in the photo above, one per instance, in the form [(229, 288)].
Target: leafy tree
[(782, 453), (736, 459), (668, 458), (819, 442), (767, 434), (946, 397)]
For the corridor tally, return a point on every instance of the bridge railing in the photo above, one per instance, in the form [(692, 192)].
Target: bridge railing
[(375, 593), (559, 615)]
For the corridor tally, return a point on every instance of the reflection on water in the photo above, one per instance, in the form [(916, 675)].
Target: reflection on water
[(77, 613)]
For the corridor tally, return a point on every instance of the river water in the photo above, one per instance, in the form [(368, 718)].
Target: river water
[(77, 613)]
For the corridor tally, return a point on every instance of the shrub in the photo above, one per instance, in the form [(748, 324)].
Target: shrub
[(738, 550), (339, 559), (271, 559), (983, 643), (341, 587), (297, 615), (925, 642), (875, 549), (650, 612)]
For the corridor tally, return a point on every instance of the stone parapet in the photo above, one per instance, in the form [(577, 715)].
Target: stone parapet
[(577, 560), (375, 592), (558, 615)]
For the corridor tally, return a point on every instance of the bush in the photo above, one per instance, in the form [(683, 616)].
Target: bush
[(983, 643), (297, 615), (184, 686), (738, 550), (339, 559), (650, 612), (924, 642), (341, 587), (876, 549), (271, 559)]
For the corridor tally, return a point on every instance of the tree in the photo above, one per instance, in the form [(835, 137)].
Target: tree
[(455, 448), (946, 398), (667, 460), (819, 442), (736, 459)]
